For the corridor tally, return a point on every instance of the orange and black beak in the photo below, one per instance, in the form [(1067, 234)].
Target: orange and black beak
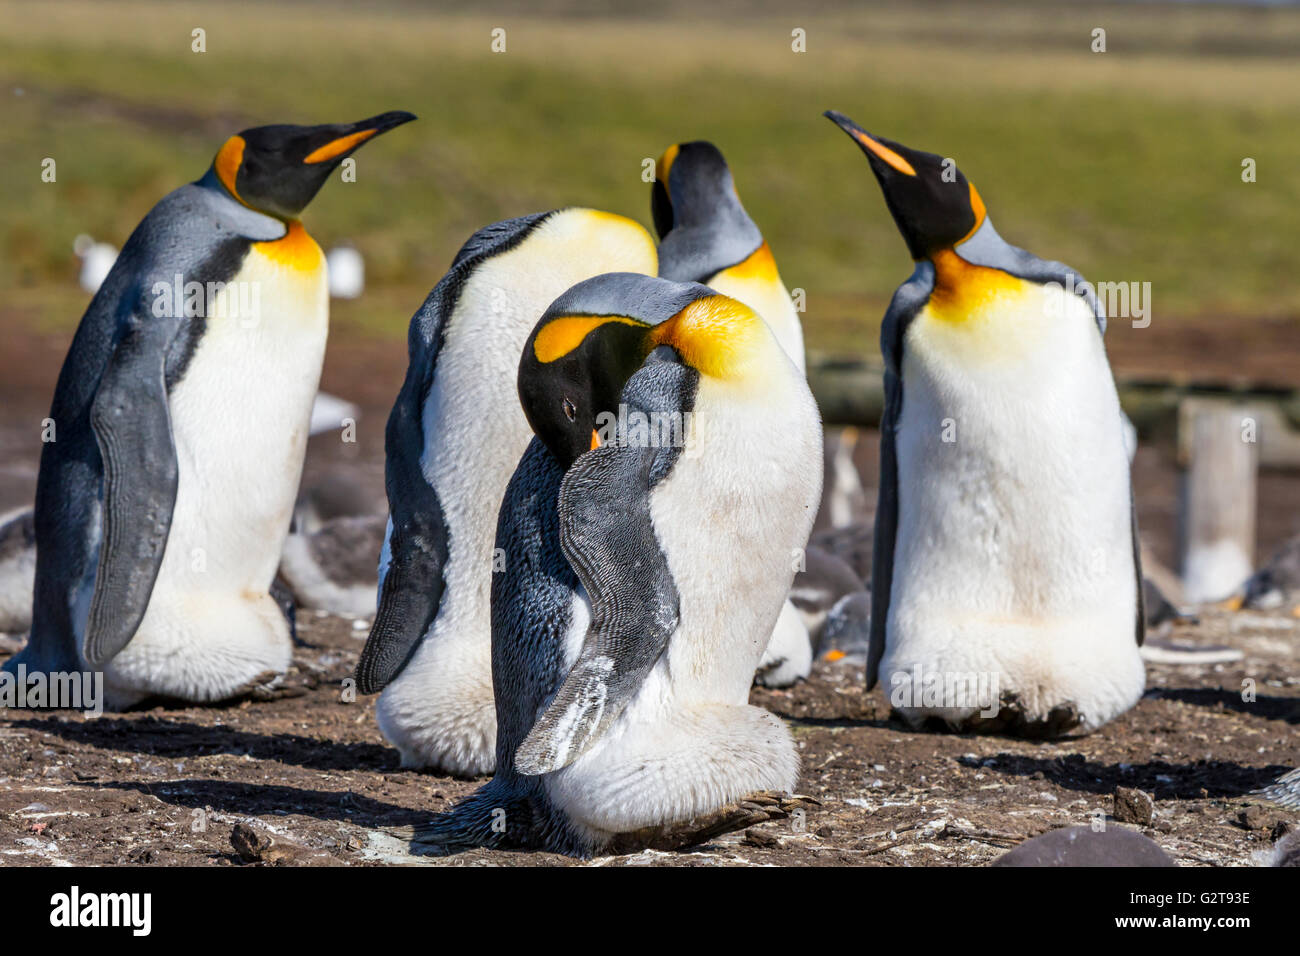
[(279, 169), (933, 204), (334, 143)]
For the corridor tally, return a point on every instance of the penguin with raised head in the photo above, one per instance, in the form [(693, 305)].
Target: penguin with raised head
[(706, 236), (1006, 583), (182, 413), (646, 537), (455, 435)]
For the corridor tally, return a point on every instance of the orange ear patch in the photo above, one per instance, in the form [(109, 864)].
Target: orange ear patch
[(977, 206), (665, 166), (884, 153), (564, 333), (229, 158), (339, 146)]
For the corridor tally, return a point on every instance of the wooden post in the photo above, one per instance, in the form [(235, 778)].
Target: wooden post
[(1218, 448)]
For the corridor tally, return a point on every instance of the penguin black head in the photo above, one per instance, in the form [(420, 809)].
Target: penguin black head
[(279, 169), (932, 202), (585, 348), (698, 214)]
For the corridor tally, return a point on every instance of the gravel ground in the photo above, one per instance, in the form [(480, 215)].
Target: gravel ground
[(304, 778)]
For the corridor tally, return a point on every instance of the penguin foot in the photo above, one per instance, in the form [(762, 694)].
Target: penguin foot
[(1016, 720), (756, 808), (265, 686), (433, 839)]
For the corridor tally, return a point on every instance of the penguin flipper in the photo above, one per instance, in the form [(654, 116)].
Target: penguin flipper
[(886, 528), (907, 302), (609, 539), (411, 591), (132, 427), (1140, 628)]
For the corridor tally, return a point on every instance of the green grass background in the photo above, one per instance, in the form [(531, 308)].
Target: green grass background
[(1125, 164)]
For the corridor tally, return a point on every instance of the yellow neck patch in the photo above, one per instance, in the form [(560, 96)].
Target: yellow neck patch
[(229, 158), (295, 250), (758, 265), (962, 290), (715, 335)]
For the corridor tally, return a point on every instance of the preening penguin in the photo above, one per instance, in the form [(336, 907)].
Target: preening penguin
[(646, 537), (182, 411), (1006, 583), (706, 236), (454, 437)]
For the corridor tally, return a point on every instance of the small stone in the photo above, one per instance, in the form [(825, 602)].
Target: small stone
[(825, 832), (249, 845), (1259, 818), (1133, 806), (760, 838)]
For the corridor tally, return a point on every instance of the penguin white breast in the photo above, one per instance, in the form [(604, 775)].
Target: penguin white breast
[(240, 417), (756, 283), (1013, 483), (731, 519)]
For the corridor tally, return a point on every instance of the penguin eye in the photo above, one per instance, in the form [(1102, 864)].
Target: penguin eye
[(570, 412)]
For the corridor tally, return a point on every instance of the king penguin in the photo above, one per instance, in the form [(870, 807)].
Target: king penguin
[(645, 536), (706, 236), (1006, 583), (455, 434), (182, 413)]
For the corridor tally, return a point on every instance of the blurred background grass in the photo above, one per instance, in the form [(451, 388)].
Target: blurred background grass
[(1125, 164)]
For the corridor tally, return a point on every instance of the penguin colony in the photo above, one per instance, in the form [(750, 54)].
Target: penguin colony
[(602, 469)]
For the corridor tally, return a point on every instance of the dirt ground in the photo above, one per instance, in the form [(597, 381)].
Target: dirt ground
[(308, 780), (309, 775)]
